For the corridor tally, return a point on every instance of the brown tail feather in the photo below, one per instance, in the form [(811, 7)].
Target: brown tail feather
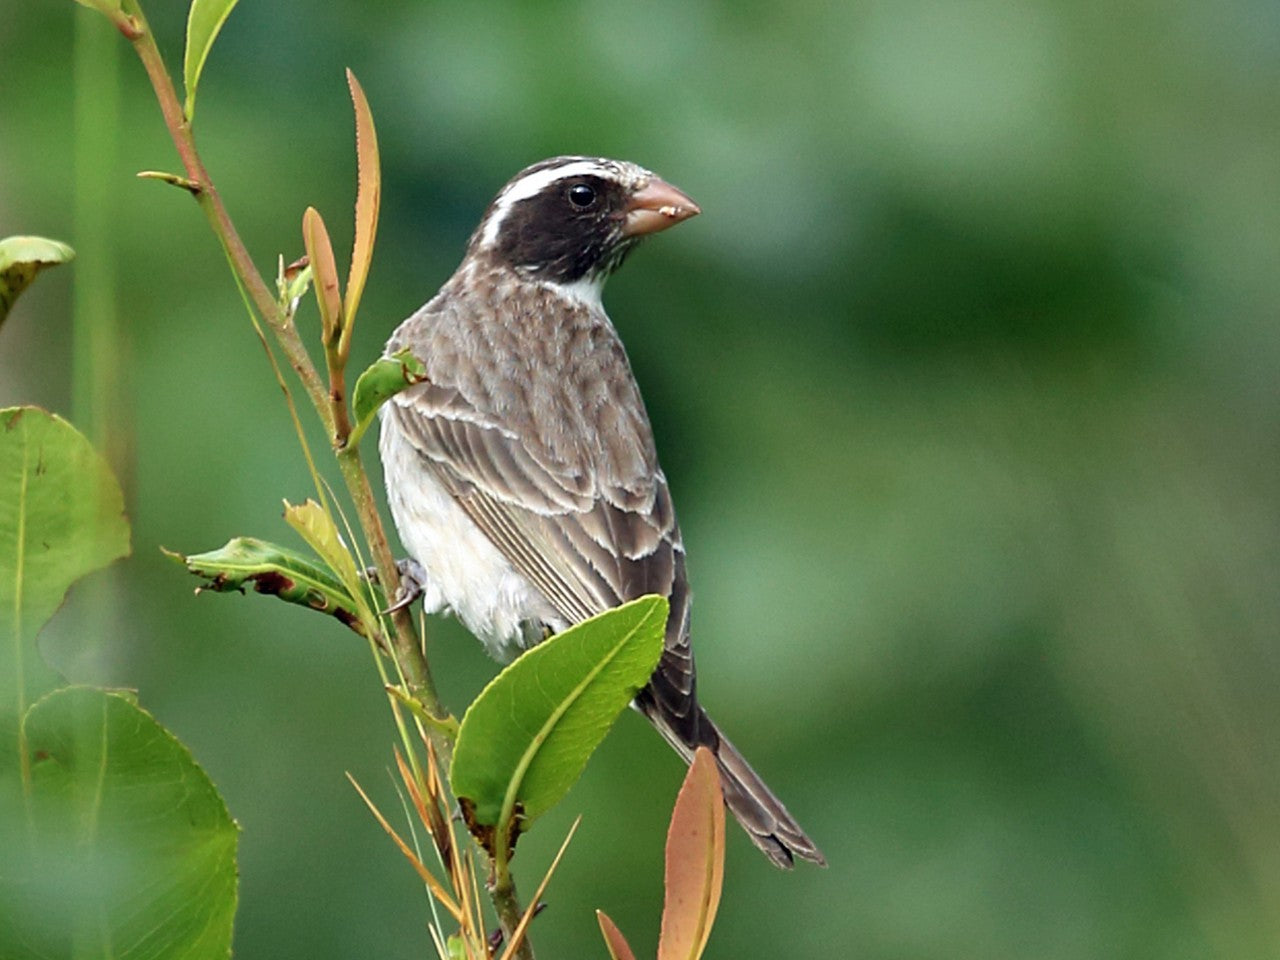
[(749, 799)]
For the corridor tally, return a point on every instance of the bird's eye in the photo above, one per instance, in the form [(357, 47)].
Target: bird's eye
[(582, 195)]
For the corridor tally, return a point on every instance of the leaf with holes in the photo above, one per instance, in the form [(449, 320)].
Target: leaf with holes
[(247, 563)]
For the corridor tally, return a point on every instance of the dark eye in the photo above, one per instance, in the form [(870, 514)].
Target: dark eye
[(582, 195)]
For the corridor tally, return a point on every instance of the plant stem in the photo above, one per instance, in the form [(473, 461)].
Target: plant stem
[(330, 406), (409, 653), (215, 212), (507, 905)]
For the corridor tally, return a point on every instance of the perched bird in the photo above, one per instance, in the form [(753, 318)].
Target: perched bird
[(522, 474)]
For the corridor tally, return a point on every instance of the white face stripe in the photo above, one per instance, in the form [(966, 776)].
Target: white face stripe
[(534, 183)]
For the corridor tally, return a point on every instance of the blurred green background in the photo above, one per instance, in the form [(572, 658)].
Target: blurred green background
[(966, 382)]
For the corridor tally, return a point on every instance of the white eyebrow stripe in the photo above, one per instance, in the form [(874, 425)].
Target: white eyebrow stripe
[(533, 184)]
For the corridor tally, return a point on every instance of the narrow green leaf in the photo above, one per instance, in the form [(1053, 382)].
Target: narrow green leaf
[(318, 529), (21, 258), (204, 21), (526, 738), (124, 848), (368, 201), (245, 563), (61, 517), (694, 862), (378, 384)]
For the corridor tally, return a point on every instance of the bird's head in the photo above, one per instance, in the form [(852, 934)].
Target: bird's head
[(573, 219)]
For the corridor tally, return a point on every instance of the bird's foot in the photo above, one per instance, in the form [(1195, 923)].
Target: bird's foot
[(413, 581)]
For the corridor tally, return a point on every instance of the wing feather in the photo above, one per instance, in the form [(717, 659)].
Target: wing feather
[(544, 443)]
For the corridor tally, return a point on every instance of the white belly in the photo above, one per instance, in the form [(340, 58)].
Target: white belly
[(466, 575)]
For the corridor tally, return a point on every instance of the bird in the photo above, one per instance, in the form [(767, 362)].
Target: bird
[(522, 474)]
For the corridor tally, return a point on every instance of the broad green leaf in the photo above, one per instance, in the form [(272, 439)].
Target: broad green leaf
[(317, 528), (21, 258), (526, 738), (619, 949), (324, 273), (61, 517), (378, 384), (204, 21), (245, 563), (368, 200), (124, 849), (695, 862)]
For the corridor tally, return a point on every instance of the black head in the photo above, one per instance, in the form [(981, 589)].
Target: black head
[(575, 218)]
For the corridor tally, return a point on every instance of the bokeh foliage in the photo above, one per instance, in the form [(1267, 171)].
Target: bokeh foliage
[(964, 381)]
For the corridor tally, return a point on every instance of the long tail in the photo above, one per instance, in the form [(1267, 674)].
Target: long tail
[(749, 799)]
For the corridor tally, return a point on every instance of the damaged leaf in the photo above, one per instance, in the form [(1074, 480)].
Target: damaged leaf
[(379, 383), (247, 563), (21, 258)]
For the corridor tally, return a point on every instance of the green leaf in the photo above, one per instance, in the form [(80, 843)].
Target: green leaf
[(204, 20), (246, 563), (526, 738), (21, 258), (318, 529), (102, 6), (124, 848), (378, 384), (61, 517)]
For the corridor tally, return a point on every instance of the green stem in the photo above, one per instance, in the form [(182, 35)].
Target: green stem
[(507, 905), (133, 24), (206, 194), (330, 405), (408, 650)]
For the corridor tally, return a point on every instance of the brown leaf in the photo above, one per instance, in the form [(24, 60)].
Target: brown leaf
[(436, 887), (324, 272), (368, 201), (695, 862), (619, 949)]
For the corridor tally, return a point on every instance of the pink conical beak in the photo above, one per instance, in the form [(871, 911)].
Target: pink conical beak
[(655, 207)]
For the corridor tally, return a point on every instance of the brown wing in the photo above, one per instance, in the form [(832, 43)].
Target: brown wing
[(545, 444)]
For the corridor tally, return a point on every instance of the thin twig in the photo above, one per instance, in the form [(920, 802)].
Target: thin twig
[(330, 406), (133, 24)]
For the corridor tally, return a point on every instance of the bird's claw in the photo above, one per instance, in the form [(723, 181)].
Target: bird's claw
[(413, 580)]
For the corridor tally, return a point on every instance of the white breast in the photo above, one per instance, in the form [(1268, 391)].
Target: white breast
[(466, 575)]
